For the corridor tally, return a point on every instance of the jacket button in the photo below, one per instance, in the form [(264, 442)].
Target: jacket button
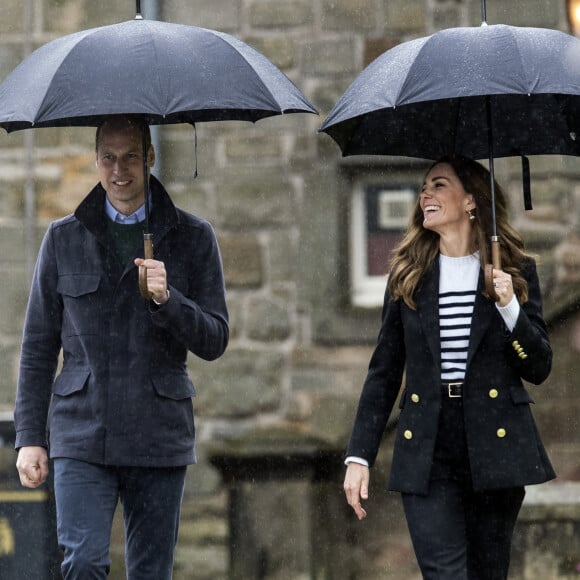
[(523, 355), (501, 433), (408, 434), (516, 344), (415, 398), (493, 394)]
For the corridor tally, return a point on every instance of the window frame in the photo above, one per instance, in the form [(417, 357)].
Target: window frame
[(367, 291)]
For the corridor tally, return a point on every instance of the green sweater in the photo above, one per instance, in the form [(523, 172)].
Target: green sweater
[(126, 238)]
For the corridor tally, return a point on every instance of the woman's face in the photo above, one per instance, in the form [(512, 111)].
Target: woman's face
[(444, 202)]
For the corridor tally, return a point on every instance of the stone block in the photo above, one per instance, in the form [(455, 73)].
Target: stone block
[(10, 56), (192, 195), (280, 50), (333, 418), (12, 21), (178, 155), (11, 200), (9, 359), (408, 16), (235, 312), (107, 12), (253, 146), (224, 15), (446, 17), (13, 247), (267, 320), (325, 95), (282, 256), (375, 47), (536, 13), (67, 16), (333, 57), (199, 561), (280, 13), (242, 257), (73, 138), (250, 199), (350, 15), (242, 383)]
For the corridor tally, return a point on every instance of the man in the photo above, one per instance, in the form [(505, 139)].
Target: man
[(118, 419)]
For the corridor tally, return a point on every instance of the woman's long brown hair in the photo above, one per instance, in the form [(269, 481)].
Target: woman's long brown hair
[(420, 247)]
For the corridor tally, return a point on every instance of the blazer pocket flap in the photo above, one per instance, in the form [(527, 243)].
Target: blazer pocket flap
[(175, 386), (520, 396), (70, 382), (76, 285)]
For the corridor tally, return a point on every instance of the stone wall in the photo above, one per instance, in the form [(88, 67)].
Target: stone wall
[(277, 194)]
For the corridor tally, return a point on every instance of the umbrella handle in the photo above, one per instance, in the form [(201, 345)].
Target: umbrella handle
[(496, 263), (148, 253)]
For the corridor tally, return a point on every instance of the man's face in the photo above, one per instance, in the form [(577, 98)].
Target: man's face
[(120, 165)]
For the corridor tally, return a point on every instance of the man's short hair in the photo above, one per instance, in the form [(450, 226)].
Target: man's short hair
[(121, 122)]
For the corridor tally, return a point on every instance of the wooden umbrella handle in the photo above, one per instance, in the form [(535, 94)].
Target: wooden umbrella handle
[(496, 263), (148, 253)]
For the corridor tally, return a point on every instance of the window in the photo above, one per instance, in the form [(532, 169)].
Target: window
[(379, 216)]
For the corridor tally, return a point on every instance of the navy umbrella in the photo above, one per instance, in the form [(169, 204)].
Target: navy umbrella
[(167, 73), (163, 72), (481, 92)]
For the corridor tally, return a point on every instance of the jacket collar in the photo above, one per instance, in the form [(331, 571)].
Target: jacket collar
[(164, 216)]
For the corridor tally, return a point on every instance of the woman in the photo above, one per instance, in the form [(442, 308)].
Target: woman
[(466, 443)]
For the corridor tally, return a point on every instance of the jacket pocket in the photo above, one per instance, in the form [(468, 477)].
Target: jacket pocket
[(70, 382), (174, 386), (75, 285), (520, 396)]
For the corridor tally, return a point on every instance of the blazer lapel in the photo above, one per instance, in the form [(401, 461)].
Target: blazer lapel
[(483, 313), (427, 300)]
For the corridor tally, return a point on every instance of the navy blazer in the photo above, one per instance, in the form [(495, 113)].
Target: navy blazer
[(123, 396), (505, 449)]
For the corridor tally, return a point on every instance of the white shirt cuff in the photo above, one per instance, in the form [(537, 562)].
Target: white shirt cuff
[(510, 312), (358, 460)]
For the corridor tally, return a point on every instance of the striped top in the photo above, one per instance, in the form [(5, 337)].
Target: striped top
[(457, 291)]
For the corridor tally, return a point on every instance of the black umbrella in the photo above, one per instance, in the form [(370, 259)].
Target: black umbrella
[(164, 72), (481, 92)]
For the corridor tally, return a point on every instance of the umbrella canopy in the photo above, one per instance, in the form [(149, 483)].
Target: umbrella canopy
[(168, 73), (429, 97)]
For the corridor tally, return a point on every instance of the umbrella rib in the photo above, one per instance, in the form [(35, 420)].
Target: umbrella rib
[(231, 42), (160, 88)]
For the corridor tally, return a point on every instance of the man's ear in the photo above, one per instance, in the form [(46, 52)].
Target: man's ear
[(151, 157)]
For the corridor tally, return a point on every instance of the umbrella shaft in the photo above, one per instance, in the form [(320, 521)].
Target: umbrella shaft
[(492, 187), (145, 178), (491, 168), (483, 12)]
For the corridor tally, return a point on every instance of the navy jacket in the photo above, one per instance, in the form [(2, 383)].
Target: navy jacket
[(123, 395), (503, 443)]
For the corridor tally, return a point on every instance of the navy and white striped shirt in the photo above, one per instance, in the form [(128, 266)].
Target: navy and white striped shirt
[(457, 290)]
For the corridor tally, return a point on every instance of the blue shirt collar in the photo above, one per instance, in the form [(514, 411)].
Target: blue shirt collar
[(120, 218)]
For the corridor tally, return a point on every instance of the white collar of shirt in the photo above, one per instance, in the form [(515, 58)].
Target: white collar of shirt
[(120, 218)]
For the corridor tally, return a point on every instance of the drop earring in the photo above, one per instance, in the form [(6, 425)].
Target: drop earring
[(470, 214)]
